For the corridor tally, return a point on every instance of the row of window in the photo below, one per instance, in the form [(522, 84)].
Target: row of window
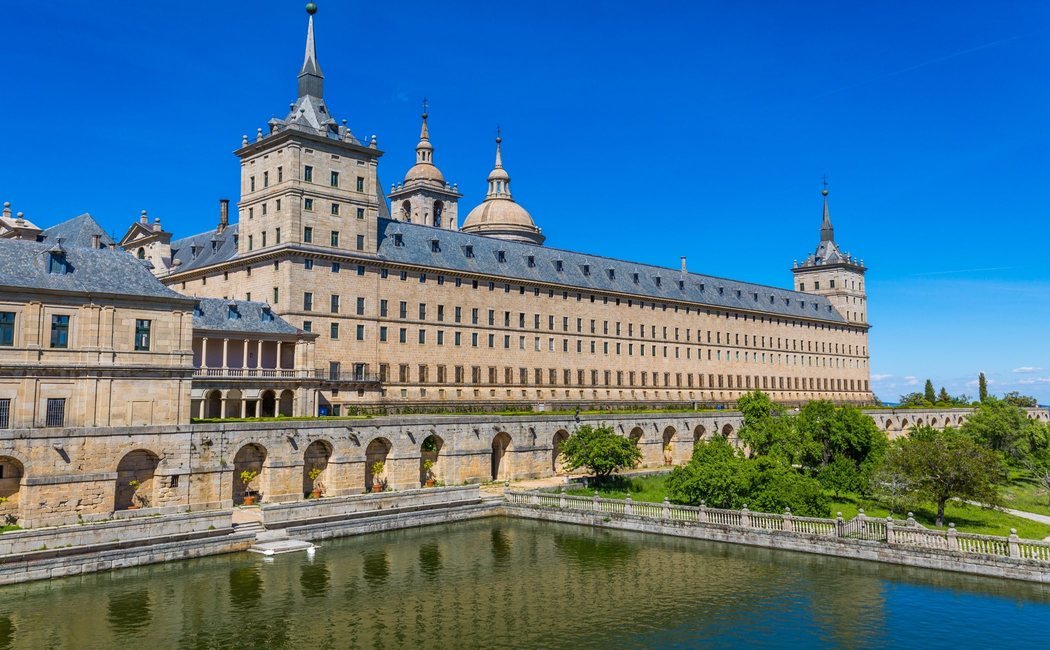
[(308, 206), (308, 177), (630, 378), (54, 415), (60, 331)]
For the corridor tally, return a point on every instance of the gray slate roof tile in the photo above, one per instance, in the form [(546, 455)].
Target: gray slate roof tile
[(213, 314)]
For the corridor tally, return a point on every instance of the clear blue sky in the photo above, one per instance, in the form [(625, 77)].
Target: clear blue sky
[(640, 130)]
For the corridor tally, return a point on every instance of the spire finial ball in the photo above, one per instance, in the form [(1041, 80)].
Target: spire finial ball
[(824, 192), (311, 8)]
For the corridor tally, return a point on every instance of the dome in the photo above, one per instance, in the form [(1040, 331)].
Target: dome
[(425, 172), (503, 219), (499, 174)]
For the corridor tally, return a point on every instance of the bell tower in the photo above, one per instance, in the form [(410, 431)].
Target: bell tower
[(307, 180), (830, 272), (425, 197)]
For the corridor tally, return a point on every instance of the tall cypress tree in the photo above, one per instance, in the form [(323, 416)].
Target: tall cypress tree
[(931, 395), (982, 388)]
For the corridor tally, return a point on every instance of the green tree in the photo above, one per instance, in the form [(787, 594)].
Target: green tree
[(929, 393), (943, 398), (913, 400), (830, 432), (766, 430), (982, 387), (600, 450), (1003, 427), (1038, 461), (717, 474), (773, 486), (941, 465), (1017, 399)]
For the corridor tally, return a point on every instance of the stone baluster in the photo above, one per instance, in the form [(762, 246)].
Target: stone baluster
[(889, 530), (597, 502), (953, 538), (789, 523), (702, 515), (745, 517), (911, 520), (628, 509), (562, 503), (665, 512), (1014, 543)]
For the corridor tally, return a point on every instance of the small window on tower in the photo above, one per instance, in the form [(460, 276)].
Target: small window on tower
[(832, 284), (816, 286)]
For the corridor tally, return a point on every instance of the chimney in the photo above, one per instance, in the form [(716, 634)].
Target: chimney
[(142, 217), (224, 214), (96, 241), (683, 265), (156, 224)]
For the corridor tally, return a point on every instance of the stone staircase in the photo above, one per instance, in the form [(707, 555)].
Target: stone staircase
[(250, 527)]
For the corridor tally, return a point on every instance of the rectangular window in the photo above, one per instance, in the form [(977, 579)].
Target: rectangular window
[(308, 174), (335, 304), (335, 267), (277, 235), (308, 301), (7, 328), (142, 328), (360, 183), (308, 326), (360, 213), (335, 238), (280, 176), (382, 334), (335, 209), (5, 419), (360, 332), (360, 306), (308, 205), (382, 308), (308, 236), (56, 412), (334, 330), (276, 295), (334, 180), (60, 332), (360, 242)]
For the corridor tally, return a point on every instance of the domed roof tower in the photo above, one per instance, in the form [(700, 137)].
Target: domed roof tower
[(499, 216), (425, 197)]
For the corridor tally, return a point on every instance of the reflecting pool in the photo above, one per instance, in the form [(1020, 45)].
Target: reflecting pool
[(503, 583)]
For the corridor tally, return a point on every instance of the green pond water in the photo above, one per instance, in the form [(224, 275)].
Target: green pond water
[(503, 583)]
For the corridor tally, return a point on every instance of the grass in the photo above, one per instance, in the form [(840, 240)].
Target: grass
[(967, 518), (8, 529), (281, 419), (1024, 493)]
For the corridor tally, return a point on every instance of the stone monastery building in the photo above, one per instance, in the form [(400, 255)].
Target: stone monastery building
[(322, 298)]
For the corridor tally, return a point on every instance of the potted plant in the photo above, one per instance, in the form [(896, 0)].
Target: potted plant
[(247, 477), (318, 486), (377, 474), (138, 499), (428, 470)]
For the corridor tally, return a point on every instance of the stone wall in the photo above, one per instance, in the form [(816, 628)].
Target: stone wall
[(71, 475)]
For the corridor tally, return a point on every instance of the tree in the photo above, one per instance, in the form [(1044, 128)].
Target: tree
[(842, 433), (1038, 461), (929, 393), (1017, 399), (941, 465), (913, 400), (766, 430), (1003, 427), (600, 450), (982, 387), (716, 475), (943, 397)]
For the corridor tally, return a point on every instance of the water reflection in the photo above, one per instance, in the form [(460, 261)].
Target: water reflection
[(376, 568), (245, 587), (430, 559), (7, 632), (520, 584), (128, 611), (314, 578)]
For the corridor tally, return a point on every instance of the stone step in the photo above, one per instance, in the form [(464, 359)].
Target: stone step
[(271, 535)]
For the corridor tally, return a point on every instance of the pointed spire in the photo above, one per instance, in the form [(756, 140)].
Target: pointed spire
[(499, 179), (311, 79), (827, 231), (424, 134)]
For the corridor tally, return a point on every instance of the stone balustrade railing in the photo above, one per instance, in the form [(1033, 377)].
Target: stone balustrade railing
[(900, 533)]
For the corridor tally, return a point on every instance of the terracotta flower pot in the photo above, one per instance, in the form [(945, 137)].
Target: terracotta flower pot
[(430, 482), (249, 500), (316, 493), (376, 487)]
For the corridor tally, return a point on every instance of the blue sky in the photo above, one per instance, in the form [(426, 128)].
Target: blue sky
[(643, 131)]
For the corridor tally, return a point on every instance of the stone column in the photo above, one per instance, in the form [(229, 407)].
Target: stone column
[(258, 354), (204, 353), (244, 356), (225, 350)]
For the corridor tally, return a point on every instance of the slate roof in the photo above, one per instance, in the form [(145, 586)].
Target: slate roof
[(589, 272), (212, 248), (213, 314), (24, 265), (77, 232)]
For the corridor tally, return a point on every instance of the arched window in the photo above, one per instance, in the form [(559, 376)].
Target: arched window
[(142, 253), (406, 211), (439, 208)]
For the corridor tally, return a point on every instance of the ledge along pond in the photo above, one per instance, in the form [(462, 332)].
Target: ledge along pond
[(510, 583)]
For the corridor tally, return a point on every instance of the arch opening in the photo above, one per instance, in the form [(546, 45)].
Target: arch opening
[(500, 463), (135, 480), (376, 470), (315, 468), (429, 457), (249, 462)]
